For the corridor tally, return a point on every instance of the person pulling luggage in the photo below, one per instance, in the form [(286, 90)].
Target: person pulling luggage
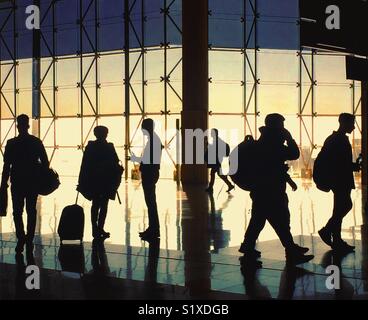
[(99, 178)]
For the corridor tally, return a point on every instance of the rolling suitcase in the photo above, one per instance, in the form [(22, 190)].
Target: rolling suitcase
[(71, 224)]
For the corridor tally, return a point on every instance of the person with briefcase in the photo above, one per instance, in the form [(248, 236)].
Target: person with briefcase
[(25, 159)]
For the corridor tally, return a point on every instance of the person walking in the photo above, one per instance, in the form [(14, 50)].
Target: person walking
[(269, 198), (25, 158), (214, 156), (340, 167)]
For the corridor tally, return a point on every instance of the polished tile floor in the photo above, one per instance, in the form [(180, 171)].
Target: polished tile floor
[(197, 256)]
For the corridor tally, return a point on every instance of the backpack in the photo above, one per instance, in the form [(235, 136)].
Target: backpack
[(244, 158), (321, 172)]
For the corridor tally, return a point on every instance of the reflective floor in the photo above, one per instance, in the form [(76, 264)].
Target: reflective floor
[(197, 256)]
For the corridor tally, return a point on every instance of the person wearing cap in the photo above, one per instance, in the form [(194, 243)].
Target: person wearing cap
[(269, 198), (24, 158), (150, 169), (341, 168), (99, 179)]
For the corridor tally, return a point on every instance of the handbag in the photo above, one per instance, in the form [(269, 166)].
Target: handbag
[(49, 182)]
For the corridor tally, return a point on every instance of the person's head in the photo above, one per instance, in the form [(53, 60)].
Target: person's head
[(347, 122), (23, 123), (214, 134), (274, 121), (101, 132), (274, 128), (148, 126)]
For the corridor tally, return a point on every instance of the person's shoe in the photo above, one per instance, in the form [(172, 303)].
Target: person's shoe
[(20, 246), (149, 234), (300, 249), (326, 236), (105, 234), (232, 187), (249, 251), (298, 258), (342, 246)]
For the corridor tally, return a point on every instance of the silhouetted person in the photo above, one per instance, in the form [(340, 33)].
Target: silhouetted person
[(99, 178), (338, 150), (150, 170), (215, 154), (24, 159), (270, 201)]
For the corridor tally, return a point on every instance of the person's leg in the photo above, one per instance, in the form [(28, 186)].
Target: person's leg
[(31, 202), (342, 206), (149, 190), (255, 226), (279, 218), (94, 216), (104, 202), (18, 206), (226, 180)]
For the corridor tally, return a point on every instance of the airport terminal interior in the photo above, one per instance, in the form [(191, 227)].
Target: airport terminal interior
[(117, 62)]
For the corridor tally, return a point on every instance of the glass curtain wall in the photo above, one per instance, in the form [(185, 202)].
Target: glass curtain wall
[(90, 77)]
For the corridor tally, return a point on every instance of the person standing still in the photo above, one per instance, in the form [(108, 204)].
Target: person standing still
[(150, 171)]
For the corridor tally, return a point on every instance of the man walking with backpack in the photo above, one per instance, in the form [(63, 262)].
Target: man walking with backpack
[(337, 168), (270, 201)]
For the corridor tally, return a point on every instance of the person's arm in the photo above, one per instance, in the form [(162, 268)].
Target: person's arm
[(291, 149), (43, 156), (6, 168)]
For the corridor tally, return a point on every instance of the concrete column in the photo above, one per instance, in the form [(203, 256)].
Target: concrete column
[(195, 81), (365, 148)]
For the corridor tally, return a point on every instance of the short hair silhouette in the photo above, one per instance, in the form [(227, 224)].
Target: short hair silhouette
[(215, 132), (148, 124), (346, 118), (23, 121), (274, 120), (101, 132)]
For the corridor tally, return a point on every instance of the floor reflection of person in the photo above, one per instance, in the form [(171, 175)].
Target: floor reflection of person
[(99, 179), (99, 283), (217, 234), (150, 170), (24, 158)]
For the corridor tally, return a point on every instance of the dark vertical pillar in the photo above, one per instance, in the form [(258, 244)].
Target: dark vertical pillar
[(364, 146), (127, 83), (36, 78), (195, 81)]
